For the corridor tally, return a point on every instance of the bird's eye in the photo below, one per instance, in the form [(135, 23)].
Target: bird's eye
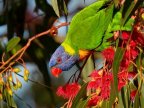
[(59, 60)]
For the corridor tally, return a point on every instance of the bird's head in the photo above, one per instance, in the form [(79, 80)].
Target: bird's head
[(61, 60)]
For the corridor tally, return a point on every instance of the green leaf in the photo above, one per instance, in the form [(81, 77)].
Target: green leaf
[(114, 86), (117, 60), (113, 26), (16, 48), (128, 12), (9, 99), (120, 101), (65, 8), (123, 99), (62, 7), (79, 96), (137, 101), (128, 26), (116, 28), (131, 9), (138, 93), (55, 7), (112, 96), (142, 96), (88, 68), (82, 104), (12, 43), (125, 92), (105, 104)]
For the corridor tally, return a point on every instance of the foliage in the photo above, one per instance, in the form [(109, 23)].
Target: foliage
[(117, 83)]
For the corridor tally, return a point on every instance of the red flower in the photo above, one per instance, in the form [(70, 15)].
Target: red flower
[(108, 54), (125, 35), (101, 85), (72, 89), (105, 91), (133, 94), (94, 101), (121, 84), (124, 64), (68, 91), (132, 44), (134, 53), (94, 84), (122, 75), (131, 54), (61, 91), (122, 79), (96, 79), (96, 74), (105, 87), (138, 37)]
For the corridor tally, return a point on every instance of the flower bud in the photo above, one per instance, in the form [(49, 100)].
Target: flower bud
[(16, 70), (19, 84), (10, 92), (15, 87), (10, 78), (26, 72), (26, 78)]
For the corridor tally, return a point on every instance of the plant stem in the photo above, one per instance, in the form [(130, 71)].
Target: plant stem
[(23, 49)]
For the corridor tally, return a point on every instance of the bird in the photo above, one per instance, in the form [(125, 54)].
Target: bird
[(87, 31)]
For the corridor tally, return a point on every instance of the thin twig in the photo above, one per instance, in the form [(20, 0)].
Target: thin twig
[(36, 82), (23, 49)]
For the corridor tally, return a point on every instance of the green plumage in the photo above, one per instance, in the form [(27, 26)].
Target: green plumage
[(89, 25)]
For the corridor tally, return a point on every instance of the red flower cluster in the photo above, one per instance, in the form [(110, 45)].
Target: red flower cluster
[(101, 79), (68, 91), (131, 51), (108, 54), (124, 77), (136, 36), (100, 84), (131, 48)]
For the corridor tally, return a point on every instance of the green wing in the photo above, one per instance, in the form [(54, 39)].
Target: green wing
[(115, 25), (88, 26)]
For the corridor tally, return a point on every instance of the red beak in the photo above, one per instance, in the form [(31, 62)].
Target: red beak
[(56, 71)]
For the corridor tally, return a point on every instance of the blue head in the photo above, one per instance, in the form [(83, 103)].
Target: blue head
[(61, 60)]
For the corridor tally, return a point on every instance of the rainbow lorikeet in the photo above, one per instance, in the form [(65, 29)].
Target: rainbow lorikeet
[(89, 29)]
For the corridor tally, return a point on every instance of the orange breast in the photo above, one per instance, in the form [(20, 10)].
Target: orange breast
[(83, 53)]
